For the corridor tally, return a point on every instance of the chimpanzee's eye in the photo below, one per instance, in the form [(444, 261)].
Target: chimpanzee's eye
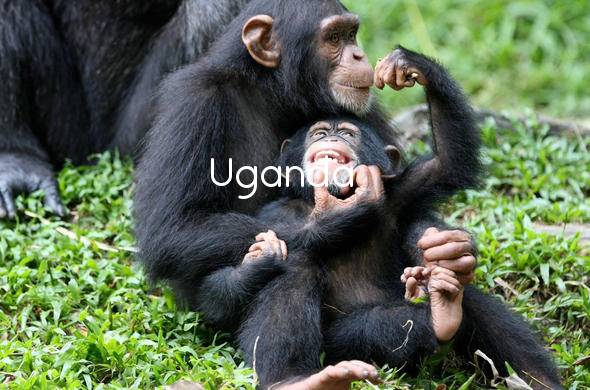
[(319, 133), (352, 36), (347, 133), (335, 37)]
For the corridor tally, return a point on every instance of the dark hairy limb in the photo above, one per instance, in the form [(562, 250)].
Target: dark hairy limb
[(333, 232), (398, 334), (26, 174), (66, 68), (42, 107), (463, 258), (282, 334), (503, 336), (224, 296), (455, 164)]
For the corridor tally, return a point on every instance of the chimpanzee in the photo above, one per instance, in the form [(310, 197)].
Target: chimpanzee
[(340, 292), (260, 81), (77, 78)]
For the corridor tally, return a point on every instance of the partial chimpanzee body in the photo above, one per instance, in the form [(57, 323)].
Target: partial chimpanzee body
[(78, 77), (259, 83), (339, 291)]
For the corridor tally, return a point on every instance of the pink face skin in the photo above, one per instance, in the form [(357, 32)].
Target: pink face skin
[(332, 148), (351, 73)]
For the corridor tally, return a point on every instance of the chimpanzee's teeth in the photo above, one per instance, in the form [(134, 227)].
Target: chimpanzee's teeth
[(330, 155)]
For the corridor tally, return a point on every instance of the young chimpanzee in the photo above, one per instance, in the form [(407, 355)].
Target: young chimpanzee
[(340, 292)]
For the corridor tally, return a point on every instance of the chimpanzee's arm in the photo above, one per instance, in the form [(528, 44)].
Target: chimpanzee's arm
[(332, 225), (225, 294), (455, 164), (334, 231), (412, 226), (35, 77)]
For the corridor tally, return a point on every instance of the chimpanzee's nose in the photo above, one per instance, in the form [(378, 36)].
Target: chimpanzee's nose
[(358, 54)]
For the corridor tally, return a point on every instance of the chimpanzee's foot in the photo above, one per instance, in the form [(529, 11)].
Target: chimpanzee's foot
[(338, 377)]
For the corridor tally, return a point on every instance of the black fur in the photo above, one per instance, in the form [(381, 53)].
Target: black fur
[(226, 106), (195, 234), (78, 77), (340, 292)]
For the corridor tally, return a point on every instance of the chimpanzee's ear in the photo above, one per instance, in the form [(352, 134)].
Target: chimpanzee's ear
[(260, 41), (394, 156), (284, 144)]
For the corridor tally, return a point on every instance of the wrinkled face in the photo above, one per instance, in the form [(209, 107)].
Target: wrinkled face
[(351, 74), (332, 146)]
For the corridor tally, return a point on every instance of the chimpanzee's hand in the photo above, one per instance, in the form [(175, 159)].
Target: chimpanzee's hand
[(368, 188), (416, 281), (22, 173), (450, 249), (267, 244), (400, 69)]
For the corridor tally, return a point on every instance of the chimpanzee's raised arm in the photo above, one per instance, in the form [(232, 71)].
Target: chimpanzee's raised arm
[(455, 164)]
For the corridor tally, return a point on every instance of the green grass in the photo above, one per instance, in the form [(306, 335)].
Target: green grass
[(505, 53), (76, 316)]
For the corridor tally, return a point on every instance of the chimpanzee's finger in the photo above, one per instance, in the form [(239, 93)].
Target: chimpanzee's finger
[(320, 192), (271, 236), (433, 238), (6, 193), (437, 271), (259, 246), (362, 179), (448, 251), (430, 231), (411, 286), (448, 276), (378, 77), (388, 75), (376, 182), (462, 265), (421, 79), (451, 281), (465, 278), (418, 272), (400, 74), (252, 255), (442, 285), (377, 80), (411, 76), (52, 197), (284, 249), (273, 243), (264, 236), (360, 370)]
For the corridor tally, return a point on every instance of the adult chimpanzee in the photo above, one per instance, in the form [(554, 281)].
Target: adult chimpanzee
[(77, 77), (258, 83), (340, 293), (264, 78)]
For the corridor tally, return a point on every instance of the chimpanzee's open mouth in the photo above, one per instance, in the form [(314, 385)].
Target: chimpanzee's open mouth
[(332, 155)]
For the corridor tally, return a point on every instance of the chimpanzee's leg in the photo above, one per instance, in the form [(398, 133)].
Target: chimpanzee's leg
[(489, 326), (398, 334), (282, 335)]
